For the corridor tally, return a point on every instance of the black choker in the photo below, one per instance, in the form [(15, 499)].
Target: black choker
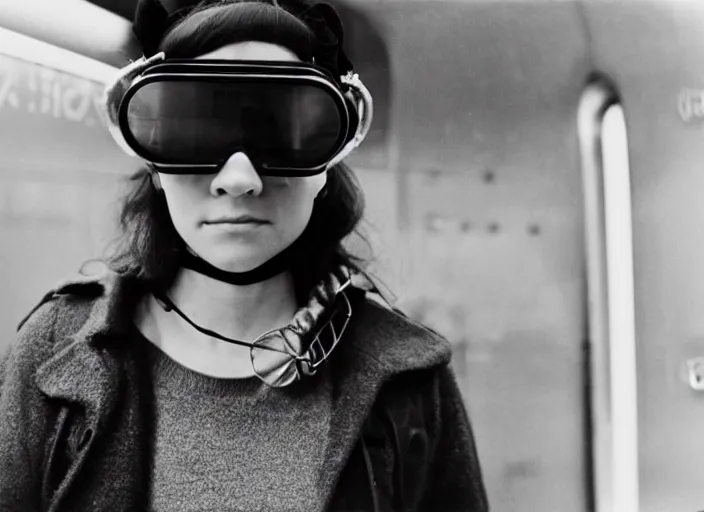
[(273, 267)]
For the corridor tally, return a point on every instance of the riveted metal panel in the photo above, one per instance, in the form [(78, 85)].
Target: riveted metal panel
[(478, 225)]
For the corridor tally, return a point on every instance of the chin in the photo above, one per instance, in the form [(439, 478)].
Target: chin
[(239, 263)]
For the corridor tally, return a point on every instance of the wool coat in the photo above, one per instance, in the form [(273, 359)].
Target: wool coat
[(75, 415)]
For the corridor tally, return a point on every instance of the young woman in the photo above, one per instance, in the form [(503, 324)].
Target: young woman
[(231, 358)]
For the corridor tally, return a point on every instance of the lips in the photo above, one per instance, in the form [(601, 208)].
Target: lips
[(242, 219)]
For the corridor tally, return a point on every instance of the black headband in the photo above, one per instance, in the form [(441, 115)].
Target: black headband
[(153, 18)]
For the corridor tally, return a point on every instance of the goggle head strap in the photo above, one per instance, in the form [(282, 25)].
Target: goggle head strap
[(362, 101), (115, 91)]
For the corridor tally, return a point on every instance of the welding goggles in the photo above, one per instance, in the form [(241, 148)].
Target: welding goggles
[(290, 118)]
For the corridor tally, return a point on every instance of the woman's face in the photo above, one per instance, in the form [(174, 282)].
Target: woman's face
[(235, 219)]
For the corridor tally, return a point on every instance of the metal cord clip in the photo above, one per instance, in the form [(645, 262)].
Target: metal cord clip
[(362, 99)]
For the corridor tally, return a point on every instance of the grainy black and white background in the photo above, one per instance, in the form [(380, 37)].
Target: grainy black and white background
[(533, 176)]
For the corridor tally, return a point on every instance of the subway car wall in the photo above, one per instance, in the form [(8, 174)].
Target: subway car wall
[(59, 171), (476, 213)]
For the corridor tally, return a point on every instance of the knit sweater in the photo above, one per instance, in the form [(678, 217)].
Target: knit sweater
[(214, 440)]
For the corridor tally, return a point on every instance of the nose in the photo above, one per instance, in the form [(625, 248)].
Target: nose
[(237, 177)]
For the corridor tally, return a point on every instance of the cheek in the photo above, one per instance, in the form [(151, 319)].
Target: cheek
[(182, 197), (293, 203)]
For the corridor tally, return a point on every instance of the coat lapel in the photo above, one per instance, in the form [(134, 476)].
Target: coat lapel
[(99, 379), (81, 370), (381, 344), (79, 375)]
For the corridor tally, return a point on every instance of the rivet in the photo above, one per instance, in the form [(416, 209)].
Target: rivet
[(433, 174), (534, 229), (489, 176)]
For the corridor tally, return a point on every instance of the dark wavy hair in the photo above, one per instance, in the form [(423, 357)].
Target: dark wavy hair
[(148, 244)]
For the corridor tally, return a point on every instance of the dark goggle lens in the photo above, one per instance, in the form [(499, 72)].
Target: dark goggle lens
[(282, 124)]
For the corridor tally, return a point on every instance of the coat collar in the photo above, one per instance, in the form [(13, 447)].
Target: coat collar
[(386, 340)]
